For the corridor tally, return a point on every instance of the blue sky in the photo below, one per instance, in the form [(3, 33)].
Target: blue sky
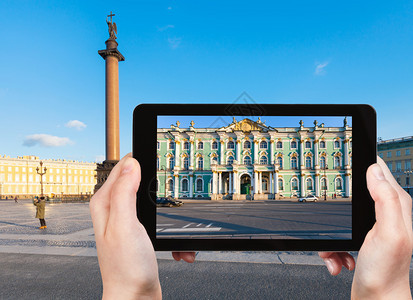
[(194, 51)]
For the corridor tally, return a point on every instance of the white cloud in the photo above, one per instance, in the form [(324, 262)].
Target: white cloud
[(46, 140), (99, 158), (320, 68), (174, 42), (78, 125), (166, 27)]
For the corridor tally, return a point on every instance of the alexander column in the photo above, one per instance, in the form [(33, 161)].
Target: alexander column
[(112, 56)]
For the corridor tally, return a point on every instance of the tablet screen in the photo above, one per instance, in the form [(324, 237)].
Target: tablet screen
[(250, 177)]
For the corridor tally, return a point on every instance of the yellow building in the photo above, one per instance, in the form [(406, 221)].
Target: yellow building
[(18, 177)]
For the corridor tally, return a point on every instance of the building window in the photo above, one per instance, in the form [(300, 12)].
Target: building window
[(230, 145), (247, 145), (322, 144), (200, 163), (186, 145), (390, 166), (407, 180), (407, 165), (398, 166), (158, 145), (398, 153), (171, 163), (186, 163), (294, 184), (280, 161), (230, 160), (323, 184), (214, 145), (199, 185), (247, 160), (294, 163), (293, 145), (215, 160), (308, 162), (407, 151), (336, 144), (200, 146), (280, 184), (388, 154), (184, 185), (171, 145), (157, 163), (351, 143), (398, 180), (381, 155), (309, 184), (337, 162), (279, 145), (170, 185), (322, 162), (263, 145), (339, 184), (307, 144), (263, 160)]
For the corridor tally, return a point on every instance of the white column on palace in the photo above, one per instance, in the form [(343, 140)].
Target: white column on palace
[(271, 184), (301, 154), (230, 183), (260, 184), (238, 150), (347, 183), (346, 153), (176, 186), (255, 151), (221, 155), (192, 155), (317, 185), (235, 183), (302, 181), (276, 182), (255, 180), (191, 185), (272, 150), (316, 156), (220, 183), (177, 153), (214, 182)]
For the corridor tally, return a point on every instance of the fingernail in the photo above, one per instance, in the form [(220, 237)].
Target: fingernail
[(329, 265), (346, 263), (378, 172), (127, 165)]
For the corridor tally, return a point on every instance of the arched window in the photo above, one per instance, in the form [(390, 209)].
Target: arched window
[(294, 184), (247, 160), (170, 186), (184, 185), (200, 163), (293, 145), (279, 145), (339, 184), (336, 144), (308, 144), (186, 145), (200, 146), (215, 159), (309, 184), (199, 185), (263, 160), (308, 162), (294, 162), (230, 160), (337, 162), (323, 184), (280, 161), (322, 144), (280, 184), (157, 163), (263, 145), (247, 145), (171, 145), (171, 163), (322, 162), (157, 185), (214, 145), (158, 145), (230, 145), (186, 163)]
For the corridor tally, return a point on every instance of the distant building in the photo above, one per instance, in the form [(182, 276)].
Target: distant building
[(398, 155), (18, 177), (248, 159)]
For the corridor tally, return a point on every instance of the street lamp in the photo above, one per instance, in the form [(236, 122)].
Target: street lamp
[(41, 173), (408, 173)]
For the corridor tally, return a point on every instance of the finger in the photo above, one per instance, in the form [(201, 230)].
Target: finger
[(99, 204), (186, 256), (333, 262), (347, 260)]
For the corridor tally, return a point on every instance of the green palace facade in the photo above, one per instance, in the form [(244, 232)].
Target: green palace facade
[(251, 160)]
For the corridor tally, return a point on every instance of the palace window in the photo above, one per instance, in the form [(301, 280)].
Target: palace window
[(307, 144), (279, 145), (294, 162), (157, 185), (247, 145), (336, 144), (351, 143), (381, 155), (337, 163), (407, 180), (294, 184), (280, 161), (407, 151), (214, 145), (199, 185), (339, 184), (308, 162), (407, 165), (186, 163), (322, 162), (230, 145), (247, 160), (215, 159), (309, 184), (200, 146), (263, 145), (158, 145), (390, 166), (171, 145), (171, 163), (293, 145), (322, 144), (263, 160), (398, 166), (323, 184), (280, 184), (184, 185), (157, 163), (398, 153), (186, 145), (200, 164), (389, 154), (230, 160), (170, 185)]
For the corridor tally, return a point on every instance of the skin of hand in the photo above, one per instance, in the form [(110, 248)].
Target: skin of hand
[(126, 256), (382, 270)]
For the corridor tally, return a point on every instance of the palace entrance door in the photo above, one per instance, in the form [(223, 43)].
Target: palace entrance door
[(245, 184)]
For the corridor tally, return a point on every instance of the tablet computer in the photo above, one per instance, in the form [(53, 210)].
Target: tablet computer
[(255, 177)]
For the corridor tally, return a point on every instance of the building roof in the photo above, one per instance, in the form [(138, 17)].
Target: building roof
[(397, 143)]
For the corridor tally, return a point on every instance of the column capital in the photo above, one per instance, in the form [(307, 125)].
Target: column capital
[(111, 52)]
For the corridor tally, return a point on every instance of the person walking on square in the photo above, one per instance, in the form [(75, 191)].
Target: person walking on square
[(40, 211), (15, 199)]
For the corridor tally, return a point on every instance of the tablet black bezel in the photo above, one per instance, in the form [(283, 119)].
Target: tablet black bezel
[(363, 155)]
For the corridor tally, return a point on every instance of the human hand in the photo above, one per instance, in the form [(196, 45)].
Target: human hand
[(383, 263), (126, 256)]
